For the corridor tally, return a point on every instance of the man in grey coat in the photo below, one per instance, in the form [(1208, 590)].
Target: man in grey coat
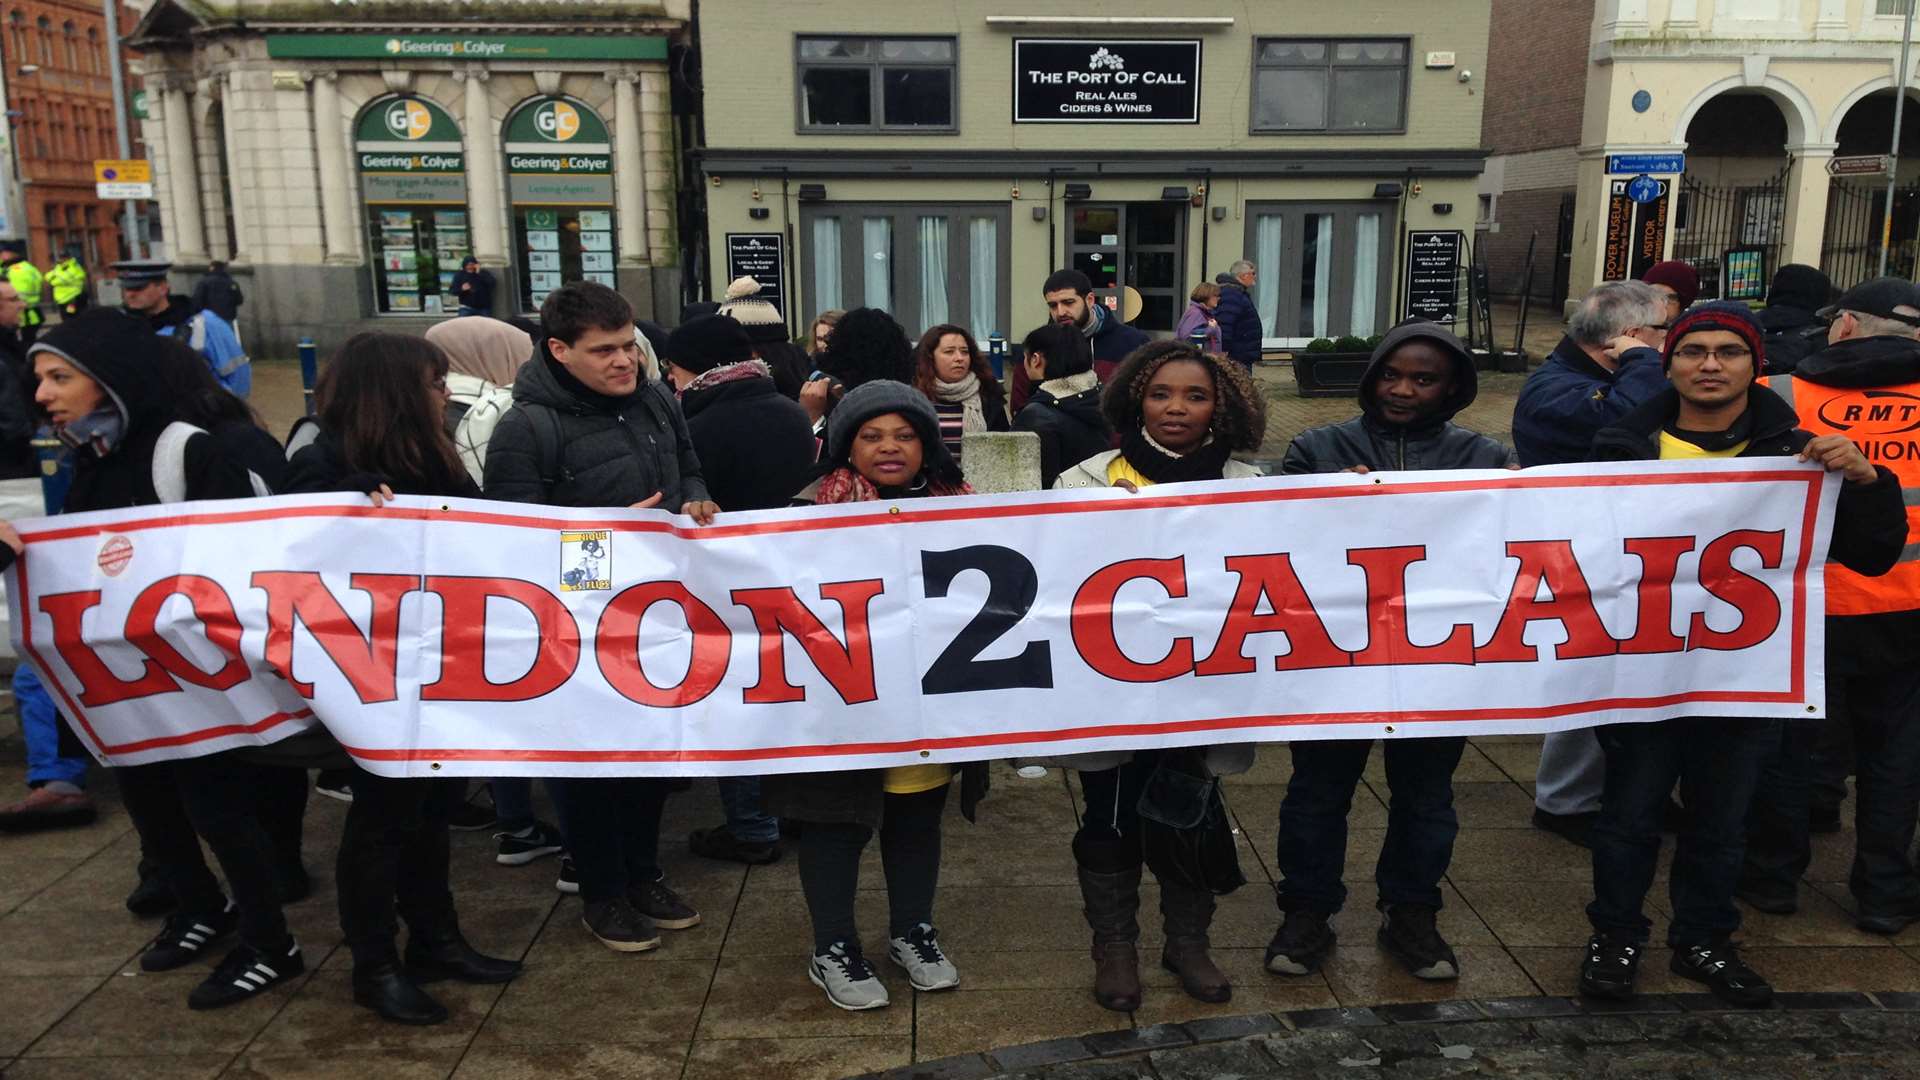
[(587, 430)]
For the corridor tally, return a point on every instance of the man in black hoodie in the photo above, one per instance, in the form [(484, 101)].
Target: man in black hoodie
[(1065, 407), (1866, 383), (1418, 378), (1793, 330), (586, 429), (1713, 408)]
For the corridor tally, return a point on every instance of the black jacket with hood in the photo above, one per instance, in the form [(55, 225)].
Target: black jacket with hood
[(756, 446), (1791, 335), (1867, 644), (1369, 439), (1870, 524), (1071, 428), (604, 451)]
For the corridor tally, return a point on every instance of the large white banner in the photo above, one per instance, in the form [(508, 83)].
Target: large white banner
[(473, 638)]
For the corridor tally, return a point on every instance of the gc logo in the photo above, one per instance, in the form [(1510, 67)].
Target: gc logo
[(409, 119), (556, 120)]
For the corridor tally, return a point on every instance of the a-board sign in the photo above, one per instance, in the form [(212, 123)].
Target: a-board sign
[(1743, 273), (1433, 274), (762, 257)]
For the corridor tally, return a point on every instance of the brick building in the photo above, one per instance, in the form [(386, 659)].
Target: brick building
[(60, 101)]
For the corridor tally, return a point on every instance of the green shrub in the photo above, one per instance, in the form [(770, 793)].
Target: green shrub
[(1320, 344), (1349, 343), (1373, 342)]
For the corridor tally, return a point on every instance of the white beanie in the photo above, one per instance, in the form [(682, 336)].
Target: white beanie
[(761, 319)]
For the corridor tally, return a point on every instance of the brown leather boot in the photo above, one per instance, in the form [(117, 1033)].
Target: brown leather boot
[(1188, 912), (1112, 905)]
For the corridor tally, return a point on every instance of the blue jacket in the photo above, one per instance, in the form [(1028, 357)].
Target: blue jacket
[(1570, 399), (1239, 321)]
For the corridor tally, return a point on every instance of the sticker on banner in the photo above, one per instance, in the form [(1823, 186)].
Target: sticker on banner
[(586, 561), (115, 554)]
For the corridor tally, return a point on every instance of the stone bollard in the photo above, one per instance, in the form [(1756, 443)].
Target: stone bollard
[(998, 462)]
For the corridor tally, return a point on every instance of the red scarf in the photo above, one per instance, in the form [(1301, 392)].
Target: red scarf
[(844, 485)]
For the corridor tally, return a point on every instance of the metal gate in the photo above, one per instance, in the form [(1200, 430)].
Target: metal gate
[(1850, 248), (1709, 220)]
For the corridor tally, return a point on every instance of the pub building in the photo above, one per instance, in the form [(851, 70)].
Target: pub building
[(344, 162), (938, 160)]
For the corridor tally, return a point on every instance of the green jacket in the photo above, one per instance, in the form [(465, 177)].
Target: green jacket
[(26, 280), (67, 279)]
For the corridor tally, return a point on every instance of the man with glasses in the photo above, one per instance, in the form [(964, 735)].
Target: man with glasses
[(1606, 366), (143, 289), (1714, 408), (1866, 383)]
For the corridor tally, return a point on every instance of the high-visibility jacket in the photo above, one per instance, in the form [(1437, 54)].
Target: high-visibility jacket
[(1884, 422), (26, 280), (67, 279)]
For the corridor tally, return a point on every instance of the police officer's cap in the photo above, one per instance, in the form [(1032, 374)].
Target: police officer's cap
[(141, 271)]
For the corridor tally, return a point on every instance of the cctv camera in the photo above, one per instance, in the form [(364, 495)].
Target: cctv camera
[(1465, 75)]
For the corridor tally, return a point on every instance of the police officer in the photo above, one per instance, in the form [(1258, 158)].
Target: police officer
[(68, 280), (143, 288), (26, 280), (1865, 385)]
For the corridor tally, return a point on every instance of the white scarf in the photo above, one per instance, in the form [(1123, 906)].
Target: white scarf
[(966, 394)]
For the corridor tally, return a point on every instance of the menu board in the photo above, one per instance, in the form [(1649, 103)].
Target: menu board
[(1433, 274), (762, 257)]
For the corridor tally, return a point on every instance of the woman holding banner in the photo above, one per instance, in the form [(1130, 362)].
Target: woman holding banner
[(1180, 413), (883, 442), (382, 408)]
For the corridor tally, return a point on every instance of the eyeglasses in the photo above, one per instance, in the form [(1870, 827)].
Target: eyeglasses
[(1726, 354)]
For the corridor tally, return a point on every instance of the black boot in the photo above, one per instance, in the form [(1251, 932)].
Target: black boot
[(443, 953), (151, 897), (1112, 906), (381, 985), (1188, 913)]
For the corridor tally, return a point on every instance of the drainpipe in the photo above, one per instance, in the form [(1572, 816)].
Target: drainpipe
[(1893, 155)]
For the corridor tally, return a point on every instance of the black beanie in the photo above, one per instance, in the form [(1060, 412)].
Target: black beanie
[(707, 342), (1801, 286)]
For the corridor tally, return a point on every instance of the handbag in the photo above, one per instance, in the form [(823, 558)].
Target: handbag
[(1185, 835)]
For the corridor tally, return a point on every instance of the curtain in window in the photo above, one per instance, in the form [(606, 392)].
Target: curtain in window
[(876, 247), (983, 278), (1322, 273), (826, 263), (1266, 282), (933, 272), (1366, 275)]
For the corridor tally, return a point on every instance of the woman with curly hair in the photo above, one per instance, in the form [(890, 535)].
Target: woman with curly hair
[(1180, 413), (867, 344), (950, 370)]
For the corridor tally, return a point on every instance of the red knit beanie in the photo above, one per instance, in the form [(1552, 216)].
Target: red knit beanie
[(1717, 315), (1677, 276)]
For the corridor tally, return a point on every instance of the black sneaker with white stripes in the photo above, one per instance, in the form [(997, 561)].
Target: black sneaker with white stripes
[(188, 937), (245, 973)]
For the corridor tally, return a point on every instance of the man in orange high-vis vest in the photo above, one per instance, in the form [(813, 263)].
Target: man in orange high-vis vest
[(1866, 386)]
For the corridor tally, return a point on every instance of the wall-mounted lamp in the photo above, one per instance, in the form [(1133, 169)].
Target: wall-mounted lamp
[(1386, 190), (27, 69), (1443, 208), (812, 192), (1175, 193), (759, 213), (1078, 191), (1219, 213), (1039, 213)]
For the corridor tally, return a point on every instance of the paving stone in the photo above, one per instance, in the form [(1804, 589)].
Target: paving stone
[(1324, 1046), (1588, 1030), (1220, 1028), (1090, 1070), (1047, 1052), (1774, 1026), (1898, 999), (1237, 1059), (1818, 1000), (1528, 1007), (1430, 1012), (962, 1067), (1136, 1040), (1533, 1060), (1644, 1003), (1321, 1018)]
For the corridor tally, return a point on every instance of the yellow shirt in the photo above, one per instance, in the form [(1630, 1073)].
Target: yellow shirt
[(913, 779), (1674, 448), (1120, 469)]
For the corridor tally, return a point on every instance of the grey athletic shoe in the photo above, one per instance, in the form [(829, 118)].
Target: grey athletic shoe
[(847, 978), (919, 954)]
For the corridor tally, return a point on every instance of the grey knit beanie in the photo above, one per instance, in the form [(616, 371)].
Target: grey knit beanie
[(878, 398)]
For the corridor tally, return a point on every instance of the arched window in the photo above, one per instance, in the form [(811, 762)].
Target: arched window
[(71, 35), (17, 27), (94, 63), (45, 26)]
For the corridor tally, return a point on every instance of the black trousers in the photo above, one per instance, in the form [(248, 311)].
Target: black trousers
[(612, 829), (829, 857), (176, 804), (1108, 840), (394, 858)]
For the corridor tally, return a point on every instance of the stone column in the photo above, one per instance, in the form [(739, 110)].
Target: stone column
[(629, 169), (1831, 22), (1805, 225), (336, 175), (483, 172), (189, 237), (1683, 17), (240, 163)]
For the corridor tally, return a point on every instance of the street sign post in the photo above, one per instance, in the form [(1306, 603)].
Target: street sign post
[(1634, 164), (1645, 189), (1858, 165), (123, 179)]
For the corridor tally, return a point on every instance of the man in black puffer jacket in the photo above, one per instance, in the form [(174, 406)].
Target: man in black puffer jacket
[(1793, 331), (1418, 378), (587, 430)]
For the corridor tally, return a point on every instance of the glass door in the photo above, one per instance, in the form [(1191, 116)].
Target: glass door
[(1322, 270), (1133, 245)]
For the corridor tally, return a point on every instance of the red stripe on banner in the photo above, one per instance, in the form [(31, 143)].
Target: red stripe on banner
[(962, 742), (191, 737), (902, 514)]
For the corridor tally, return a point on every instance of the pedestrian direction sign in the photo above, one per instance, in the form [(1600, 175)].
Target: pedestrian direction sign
[(1632, 164), (1858, 165)]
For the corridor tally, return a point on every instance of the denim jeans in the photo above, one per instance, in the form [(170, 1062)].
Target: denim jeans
[(40, 727), (746, 820), (512, 802), (1717, 762), (394, 859), (1421, 823), (612, 830)]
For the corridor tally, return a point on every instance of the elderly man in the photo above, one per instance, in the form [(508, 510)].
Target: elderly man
[(1239, 318), (1607, 366)]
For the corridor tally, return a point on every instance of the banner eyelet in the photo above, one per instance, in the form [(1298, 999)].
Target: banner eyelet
[(435, 766), (894, 510)]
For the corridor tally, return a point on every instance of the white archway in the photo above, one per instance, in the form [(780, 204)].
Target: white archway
[(1794, 105), (1861, 93)]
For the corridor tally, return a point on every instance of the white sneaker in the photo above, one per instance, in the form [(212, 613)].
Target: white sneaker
[(847, 978), (919, 953)]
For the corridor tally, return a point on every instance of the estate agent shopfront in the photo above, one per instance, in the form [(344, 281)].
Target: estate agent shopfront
[(939, 160), (346, 169)]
